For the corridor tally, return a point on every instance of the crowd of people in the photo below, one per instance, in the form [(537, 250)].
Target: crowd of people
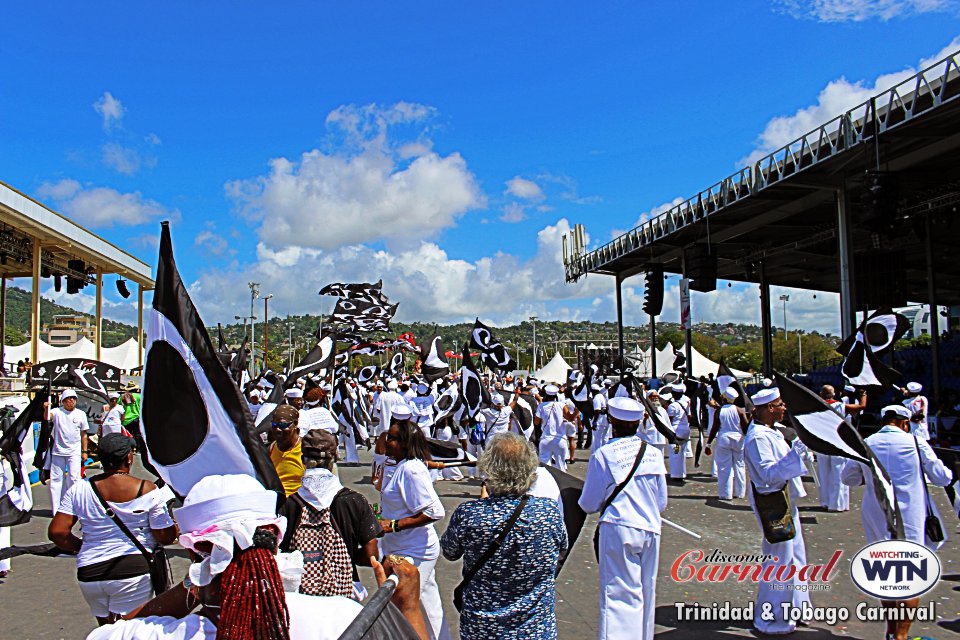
[(305, 548)]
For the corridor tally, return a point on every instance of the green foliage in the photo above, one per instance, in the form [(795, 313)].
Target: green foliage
[(14, 336), (18, 318)]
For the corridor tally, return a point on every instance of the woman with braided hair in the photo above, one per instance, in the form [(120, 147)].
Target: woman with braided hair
[(241, 589)]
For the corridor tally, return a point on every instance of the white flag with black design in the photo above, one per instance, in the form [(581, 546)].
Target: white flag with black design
[(472, 391), (433, 360), (85, 379), (396, 367), (363, 291), (495, 355), (447, 404), (195, 421), (725, 379), (368, 373), (825, 431), (876, 335), (320, 357), (367, 349)]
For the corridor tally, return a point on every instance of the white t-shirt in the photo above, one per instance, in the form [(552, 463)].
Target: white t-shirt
[(546, 487), (311, 618), (551, 417), (102, 539), (404, 494), (112, 421), (67, 427), (317, 418), (495, 421)]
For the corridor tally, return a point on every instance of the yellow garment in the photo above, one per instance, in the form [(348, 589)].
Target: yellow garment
[(289, 465)]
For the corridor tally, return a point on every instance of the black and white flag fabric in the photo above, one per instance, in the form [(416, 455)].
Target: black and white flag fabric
[(680, 362), (495, 355), (195, 421), (571, 487), (16, 496), (363, 316), (320, 357), (657, 420), (583, 393), (396, 366), (474, 394), (368, 373), (825, 431), (877, 334), (433, 361), (366, 349), (85, 379), (370, 293), (624, 387), (238, 362), (725, 379), (523, 413), (447, 404)]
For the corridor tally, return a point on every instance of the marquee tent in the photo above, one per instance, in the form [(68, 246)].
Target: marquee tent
[(554, 371)]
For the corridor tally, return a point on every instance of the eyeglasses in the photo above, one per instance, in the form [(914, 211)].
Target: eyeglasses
[(283, 426)]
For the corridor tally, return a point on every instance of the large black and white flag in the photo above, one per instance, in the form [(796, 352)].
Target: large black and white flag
[(320, 357), (825, 431), (371, 293), (363, 316), (495, 355), (396, 366), (433, 361), (523, 412), (16, 496), (877, 334), (85, 379), (726, 379), (195, 421), (571, 487), (474, 394), (366, 349), (657, 420), (447, 404), (368, 373)]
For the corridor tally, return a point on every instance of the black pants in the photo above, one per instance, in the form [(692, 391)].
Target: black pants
[(134, 428)]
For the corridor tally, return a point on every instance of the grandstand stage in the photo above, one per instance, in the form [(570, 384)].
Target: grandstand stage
[(864, 205)]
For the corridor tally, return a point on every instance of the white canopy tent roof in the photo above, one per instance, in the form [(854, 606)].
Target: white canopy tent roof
[(702, 365), (124, 356), (554, 371)]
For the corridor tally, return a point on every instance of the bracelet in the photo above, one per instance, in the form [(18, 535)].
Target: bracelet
[(394, 526)]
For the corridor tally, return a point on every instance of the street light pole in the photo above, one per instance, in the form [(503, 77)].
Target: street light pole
[(290, 343), (784, 298), (266, 329), (533, 319), (254, 294)]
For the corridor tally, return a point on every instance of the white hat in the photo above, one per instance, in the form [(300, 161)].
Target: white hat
[(767, 382), (650, 392), (400, 412), (497, 399), (113, 395), (730, 393), (664, 393), (678, 388), (607, 382), (849, 387), (596, 387), (509, 387), (626, 409), (294, 393), (255, 393), (551, 390), (914, 387), (67, 393), (898, 409), (392, 385), (765, 396)]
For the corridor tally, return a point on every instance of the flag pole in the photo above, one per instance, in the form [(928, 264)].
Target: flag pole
[(681, 529)]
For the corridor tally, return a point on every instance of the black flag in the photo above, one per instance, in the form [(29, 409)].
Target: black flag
[(396, 364), (571, 488), (194, 419), (725, 379), (17, 501), (474, 394), (663, 428), (825, 431), (320, 357), (433, 360)]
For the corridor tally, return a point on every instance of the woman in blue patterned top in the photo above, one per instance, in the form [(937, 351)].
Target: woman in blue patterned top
[(512, 595)]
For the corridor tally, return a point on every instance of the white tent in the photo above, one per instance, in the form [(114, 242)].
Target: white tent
[(702, 365), (554, 371), (123, 356)]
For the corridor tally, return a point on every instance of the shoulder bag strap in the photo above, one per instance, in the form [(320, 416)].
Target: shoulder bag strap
[(117, 521), (622, 485), (495, 545), (923, 478)]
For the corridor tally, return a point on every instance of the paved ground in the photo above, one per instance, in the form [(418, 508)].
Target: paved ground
[(40, 598)]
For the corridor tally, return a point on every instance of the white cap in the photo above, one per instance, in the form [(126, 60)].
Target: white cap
[(664, 393), (392, 385), (914, 387), (255, 393), (898, 409), (650, 392), (509, 387), (551, 390), (67, 393), (626, 409), (294, 393), (678, 388), (767, 382), (497, 399), (607, 382), (765, 396), (113, 395), (216, 499), (730, 393), (400, 412), (596, 387)]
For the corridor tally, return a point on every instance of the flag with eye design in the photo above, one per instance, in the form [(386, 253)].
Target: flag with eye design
[(495, 355), (861, 351)]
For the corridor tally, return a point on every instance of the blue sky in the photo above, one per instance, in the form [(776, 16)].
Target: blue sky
[(443, 148)]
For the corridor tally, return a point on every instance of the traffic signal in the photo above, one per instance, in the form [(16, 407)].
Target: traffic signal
[(653, 296), (879, 202)]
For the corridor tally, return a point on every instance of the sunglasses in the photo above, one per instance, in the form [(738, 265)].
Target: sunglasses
[(282, 426), (392, 438)]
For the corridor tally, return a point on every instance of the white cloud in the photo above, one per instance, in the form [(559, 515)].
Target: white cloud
[(569, 190), (657, 210), (514, 212), (362, 189), (838, 96), (101, 206), (211, 241), (524, 189), (153, 139), (860, 10), (110, 109), (123, 159)]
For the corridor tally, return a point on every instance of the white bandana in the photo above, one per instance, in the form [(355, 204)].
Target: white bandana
[(319, 487)]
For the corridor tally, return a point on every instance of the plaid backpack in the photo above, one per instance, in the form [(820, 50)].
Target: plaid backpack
[(328, 570)]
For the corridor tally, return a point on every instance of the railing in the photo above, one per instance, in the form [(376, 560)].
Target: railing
[(903, 102)]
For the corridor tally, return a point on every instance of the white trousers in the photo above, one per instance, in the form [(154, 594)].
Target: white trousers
[(834, 494), (4, 543), (64, 471), (430, 602), (349, 443), (628, 582), (446, 434), (678, 459), (476, 450), (601, 435), (554, 453), (731, 470), (770, 593)]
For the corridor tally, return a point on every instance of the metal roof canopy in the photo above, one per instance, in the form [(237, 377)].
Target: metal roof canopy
[(63, 240), (784, 208)]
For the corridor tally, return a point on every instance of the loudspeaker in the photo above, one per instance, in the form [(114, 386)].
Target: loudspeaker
[(878, 202), (653, 296), (75, 284), (880, 278), (701, 267)]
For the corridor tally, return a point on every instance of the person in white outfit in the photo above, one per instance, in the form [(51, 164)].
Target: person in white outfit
[(647, 431), (601, 428), (773, 464), (729, 425), (907, 459), (554, 448), (680, 423), (919, 408), (385, 403), (493, 420), (112, 421), (629, 528), (834, 495), (68, 451)]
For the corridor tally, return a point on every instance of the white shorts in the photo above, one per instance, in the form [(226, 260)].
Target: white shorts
[(116, 596)]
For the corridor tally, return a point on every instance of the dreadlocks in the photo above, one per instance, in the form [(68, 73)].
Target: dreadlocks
[(251, 594)]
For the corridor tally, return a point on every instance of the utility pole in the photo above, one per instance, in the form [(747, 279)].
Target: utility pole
[(254, 294), (266, 329), (290, 343), (785, 298), (533, 367)]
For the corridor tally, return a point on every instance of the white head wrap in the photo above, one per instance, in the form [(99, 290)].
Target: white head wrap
[(730, 393), (765, 396)]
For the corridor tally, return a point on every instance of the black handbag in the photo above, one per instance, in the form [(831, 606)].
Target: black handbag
[(776, 514), (492, 549), (613, 496), (160, 574), (932, 528)]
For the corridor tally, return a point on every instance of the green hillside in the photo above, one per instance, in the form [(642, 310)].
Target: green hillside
[(18, 319)]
